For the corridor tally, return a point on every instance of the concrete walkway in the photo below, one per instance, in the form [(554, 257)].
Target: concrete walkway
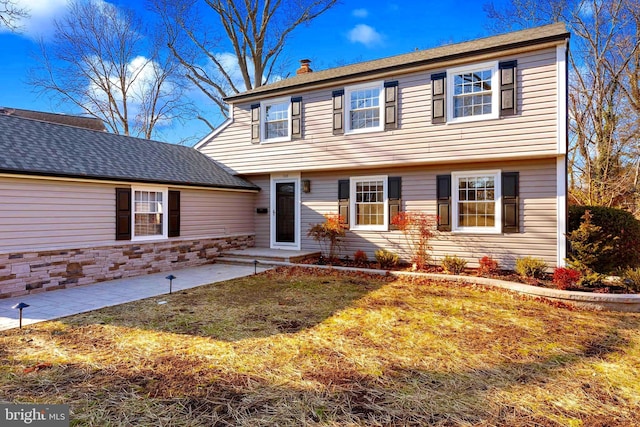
[(65, 302)]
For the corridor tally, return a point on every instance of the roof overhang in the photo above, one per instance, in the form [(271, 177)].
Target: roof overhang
[(119, 180)]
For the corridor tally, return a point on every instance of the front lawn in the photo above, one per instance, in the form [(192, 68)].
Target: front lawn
[(307, 347)]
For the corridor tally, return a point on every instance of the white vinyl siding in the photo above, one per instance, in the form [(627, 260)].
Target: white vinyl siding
[(52, 214), (538, 218), (532, 133)]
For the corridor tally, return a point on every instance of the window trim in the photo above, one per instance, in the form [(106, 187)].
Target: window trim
[(352, 202), (263, 120), (495, 91), (497, 227), (165, 212), (381, 106)]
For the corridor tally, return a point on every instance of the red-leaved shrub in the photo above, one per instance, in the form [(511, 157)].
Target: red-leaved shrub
[(417, 228), (360, 257), (488, 266), (565, 278)]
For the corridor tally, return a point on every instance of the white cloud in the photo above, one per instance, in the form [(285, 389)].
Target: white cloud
[(360, 13), (141, 77), (230, 64), (586, 10), (39, 23), (365, 34)]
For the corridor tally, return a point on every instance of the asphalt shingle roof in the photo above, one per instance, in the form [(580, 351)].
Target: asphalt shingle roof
[(531, 36), (41, 148)]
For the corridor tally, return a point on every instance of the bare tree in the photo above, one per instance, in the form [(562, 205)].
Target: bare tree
[(11, 14), (604, 99), (242, 51), (102, 61)]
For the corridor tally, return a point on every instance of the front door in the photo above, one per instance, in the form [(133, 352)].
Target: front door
[(284, 212)]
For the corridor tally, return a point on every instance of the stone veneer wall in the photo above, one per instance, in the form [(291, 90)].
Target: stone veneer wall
[(38, 271)]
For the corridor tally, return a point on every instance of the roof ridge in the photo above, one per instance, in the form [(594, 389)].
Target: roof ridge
[(46, 112), (101, 132)]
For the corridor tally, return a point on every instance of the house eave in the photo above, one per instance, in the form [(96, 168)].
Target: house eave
[(120, 180)]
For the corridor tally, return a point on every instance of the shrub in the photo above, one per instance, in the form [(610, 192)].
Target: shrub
[(589, 245), (360, 257), (631, 279), (591, 279), (565, 278), (618, 237), (386, 259), (530, 267), (417, 228), (453, 264), (488, 266), (329, 234)]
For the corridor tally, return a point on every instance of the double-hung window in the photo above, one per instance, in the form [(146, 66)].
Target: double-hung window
[(369, 209), (276, 120), (473, 92), (149, 213), (364, 107), (476, 201)]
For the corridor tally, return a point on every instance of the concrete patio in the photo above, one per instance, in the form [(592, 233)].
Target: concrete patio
[(65, 302)]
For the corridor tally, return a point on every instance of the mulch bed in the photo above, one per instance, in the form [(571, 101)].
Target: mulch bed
[(507, 275)]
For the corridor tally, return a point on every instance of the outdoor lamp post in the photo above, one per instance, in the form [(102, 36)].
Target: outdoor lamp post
[(255, 267), (170, 277), (20, 306)]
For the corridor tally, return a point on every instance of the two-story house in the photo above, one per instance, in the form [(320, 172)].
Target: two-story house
[(475, 133)]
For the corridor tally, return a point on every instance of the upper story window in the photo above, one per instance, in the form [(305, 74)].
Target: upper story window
[(276, 120), (364, 103), (149, 213), (476, 201), (369, 203), (473, 92)]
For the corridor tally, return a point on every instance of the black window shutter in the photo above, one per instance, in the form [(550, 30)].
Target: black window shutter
[(123, 214), (255, 123), (343, 200), (510, 202), (395, 198), (508, 98), (443, 196), (296, 118), (174, 213), (390, 105), (338, 109), (438, 98)]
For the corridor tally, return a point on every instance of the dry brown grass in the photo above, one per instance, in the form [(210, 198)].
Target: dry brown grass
[(291, 348)]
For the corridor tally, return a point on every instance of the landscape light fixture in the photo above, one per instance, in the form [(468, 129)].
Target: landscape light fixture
[(170, 278), (20, 306), (255, 267)]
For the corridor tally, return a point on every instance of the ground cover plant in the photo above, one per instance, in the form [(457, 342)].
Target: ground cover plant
[(300, 346)]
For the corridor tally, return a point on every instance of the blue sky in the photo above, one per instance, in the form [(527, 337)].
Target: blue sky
[(351, 31)]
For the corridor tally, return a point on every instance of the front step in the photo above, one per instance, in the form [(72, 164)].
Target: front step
[(247, 261), (265, 256)]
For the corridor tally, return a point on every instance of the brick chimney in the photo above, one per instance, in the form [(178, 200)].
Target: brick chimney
[(304, 67)]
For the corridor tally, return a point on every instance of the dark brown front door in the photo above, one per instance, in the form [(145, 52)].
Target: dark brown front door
[(285, 212)]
